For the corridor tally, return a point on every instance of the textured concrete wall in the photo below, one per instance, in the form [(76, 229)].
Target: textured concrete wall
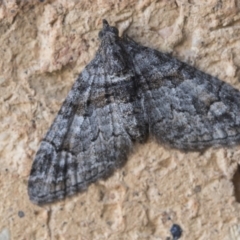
[(43, 47)]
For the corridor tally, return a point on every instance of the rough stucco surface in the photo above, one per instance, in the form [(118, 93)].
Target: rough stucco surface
[(43, 47)]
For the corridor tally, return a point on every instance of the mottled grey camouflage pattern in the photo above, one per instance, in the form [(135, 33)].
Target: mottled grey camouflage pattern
[(127, 93)]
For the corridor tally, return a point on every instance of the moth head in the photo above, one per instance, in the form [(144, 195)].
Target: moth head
[(107, 30)]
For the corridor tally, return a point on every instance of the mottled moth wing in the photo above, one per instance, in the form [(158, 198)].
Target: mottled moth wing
[(94, 129), (126, 93), (186, 108)]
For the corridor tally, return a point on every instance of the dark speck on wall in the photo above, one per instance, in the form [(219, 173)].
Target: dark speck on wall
[(176, 231), (21, 214)]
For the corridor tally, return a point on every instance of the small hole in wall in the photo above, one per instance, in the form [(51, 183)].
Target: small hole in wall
[(236, 184)]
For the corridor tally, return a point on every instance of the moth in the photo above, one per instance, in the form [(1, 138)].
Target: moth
[(125, 95)]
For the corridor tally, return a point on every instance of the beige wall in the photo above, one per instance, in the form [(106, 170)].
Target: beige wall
[(43, 47)]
